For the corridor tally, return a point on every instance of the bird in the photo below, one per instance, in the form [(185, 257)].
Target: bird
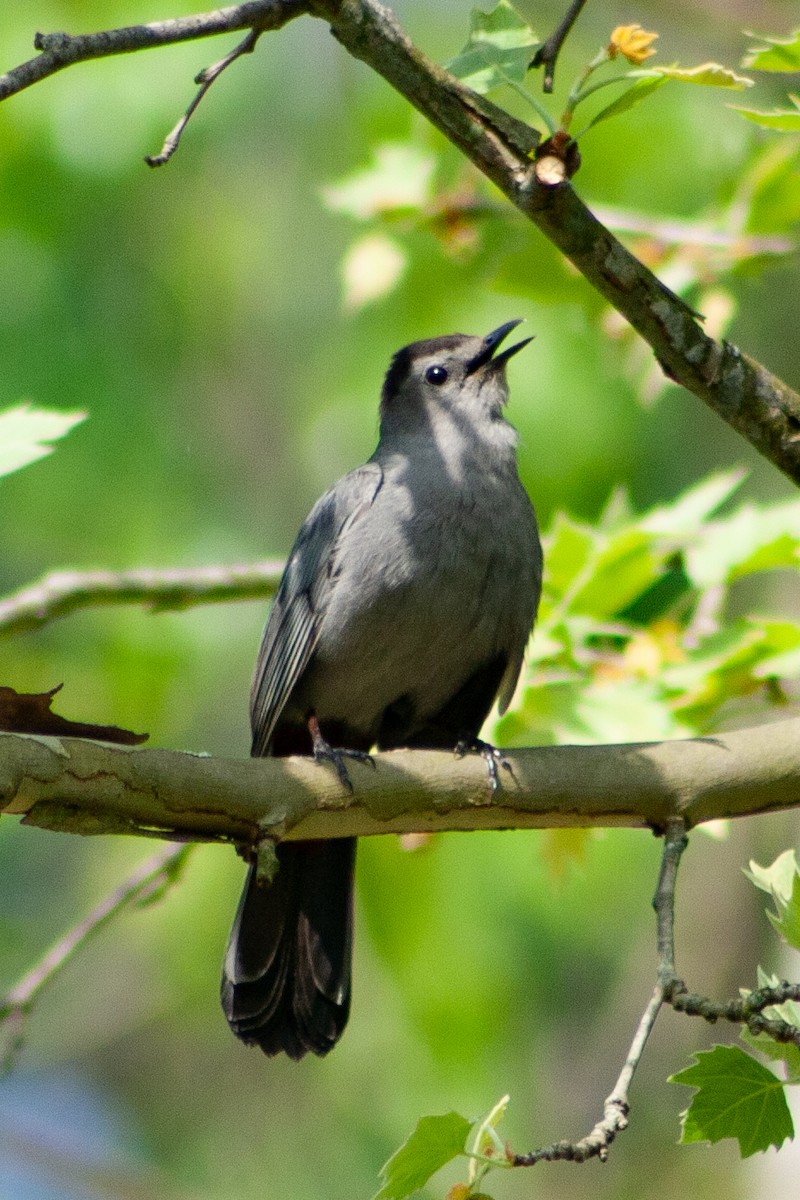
[(403, 612)]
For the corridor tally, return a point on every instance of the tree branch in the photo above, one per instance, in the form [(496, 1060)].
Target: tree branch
[(205, 78), (59, 50), (149, 879), (549, 51), (88, 787), (62, 592)]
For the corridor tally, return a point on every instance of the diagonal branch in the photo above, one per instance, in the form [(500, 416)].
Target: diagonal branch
[(62, 592), (142, 885)]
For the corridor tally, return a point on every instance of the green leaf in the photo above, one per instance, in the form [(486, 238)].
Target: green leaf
[(778, 878), (736, 1097), (707, 74), (640, 90), (784, 1052), (779, 666), (499, 49), (694, 506), (779, 54), (25, 432), (786, 120), (753, 538), (622, 569), (434, 1142), (398, 180), (787, 919), (569, 546)]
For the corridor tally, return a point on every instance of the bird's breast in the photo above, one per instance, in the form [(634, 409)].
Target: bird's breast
[(428, 585)]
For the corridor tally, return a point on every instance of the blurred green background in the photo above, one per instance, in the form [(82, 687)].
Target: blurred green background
[(196, 313)]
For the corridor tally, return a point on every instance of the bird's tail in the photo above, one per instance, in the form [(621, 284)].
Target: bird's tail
[(286, 978)]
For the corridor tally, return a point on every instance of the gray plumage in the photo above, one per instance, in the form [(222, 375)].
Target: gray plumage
[(403, 612)]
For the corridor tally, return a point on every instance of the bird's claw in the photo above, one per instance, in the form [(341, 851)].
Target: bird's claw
[(325, 752), (490, 754)]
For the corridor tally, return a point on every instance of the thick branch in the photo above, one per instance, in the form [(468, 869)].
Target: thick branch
[(62, 592), (89, 787)]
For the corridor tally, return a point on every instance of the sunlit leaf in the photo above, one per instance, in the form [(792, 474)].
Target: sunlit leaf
[(736, 1097), (371, 268), (707, 74), (568, 546), (753, 538), (622, 568), (499, 49), (787, 919), (778, 878), (397, 180), (786, 120), (25, 434), (777, 54), (434, 1142), (684, 514)]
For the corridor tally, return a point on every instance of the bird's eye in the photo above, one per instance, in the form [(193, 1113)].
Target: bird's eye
[(437, 375)]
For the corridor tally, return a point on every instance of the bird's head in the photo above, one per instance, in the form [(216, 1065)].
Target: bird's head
[(460, 376)]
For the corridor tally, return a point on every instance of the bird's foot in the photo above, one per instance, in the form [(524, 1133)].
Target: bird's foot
[(325, 752), (493, 758)]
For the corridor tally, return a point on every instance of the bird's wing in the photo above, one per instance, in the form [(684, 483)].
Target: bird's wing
[(292, 628), (531, 590)]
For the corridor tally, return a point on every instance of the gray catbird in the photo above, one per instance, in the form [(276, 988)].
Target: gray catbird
[(403, 612)]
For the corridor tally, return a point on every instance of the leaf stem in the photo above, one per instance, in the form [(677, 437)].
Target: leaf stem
[(535, 104)]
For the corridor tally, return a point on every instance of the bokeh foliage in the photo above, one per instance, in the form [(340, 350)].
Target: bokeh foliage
[(199, 315)]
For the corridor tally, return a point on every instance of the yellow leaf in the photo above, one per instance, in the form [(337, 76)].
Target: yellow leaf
[(632, 42)]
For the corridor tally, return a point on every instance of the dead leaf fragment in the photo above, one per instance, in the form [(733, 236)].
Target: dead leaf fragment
[(24, 712)]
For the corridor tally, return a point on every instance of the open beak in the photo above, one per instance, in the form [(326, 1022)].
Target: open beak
[(491, 342)]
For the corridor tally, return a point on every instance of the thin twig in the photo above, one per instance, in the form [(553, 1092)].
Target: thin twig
[(597, 1143), (62, 592), (677, 232), (746, 1010), (549, 51), (205, 77), (59, 50), (149, 878)]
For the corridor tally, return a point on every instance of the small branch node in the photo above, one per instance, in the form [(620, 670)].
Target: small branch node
[(267, 865), (51, 43)]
